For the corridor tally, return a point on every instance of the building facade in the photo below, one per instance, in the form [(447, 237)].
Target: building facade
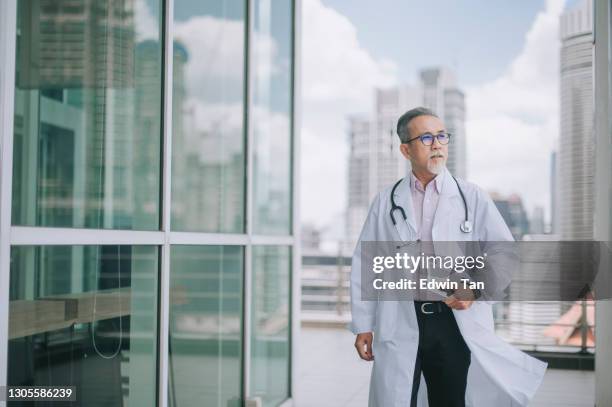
[(148, 227), (576, 152), (512, 210), (572, 167)]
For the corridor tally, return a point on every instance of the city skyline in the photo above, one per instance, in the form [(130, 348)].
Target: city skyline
[(517, 107)]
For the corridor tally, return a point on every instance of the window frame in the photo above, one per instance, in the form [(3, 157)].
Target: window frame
[(164, 238)]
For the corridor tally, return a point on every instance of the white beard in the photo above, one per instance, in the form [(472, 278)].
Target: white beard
[(436, 168)]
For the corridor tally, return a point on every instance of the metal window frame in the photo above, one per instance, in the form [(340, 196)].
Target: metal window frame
[(249, 155), (163, 348), (8, 34), (602, 230), (296, 254), (292, 239), (164, 238)]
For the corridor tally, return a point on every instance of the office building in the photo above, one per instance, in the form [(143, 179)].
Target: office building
[(512, 210), (576, 148), (572, 165), (537, 223), (554, 201), (440, 93)]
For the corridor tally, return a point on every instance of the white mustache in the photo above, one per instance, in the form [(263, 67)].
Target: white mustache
[(434, 155)]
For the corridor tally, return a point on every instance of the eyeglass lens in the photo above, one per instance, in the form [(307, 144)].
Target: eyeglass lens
[(427, 138)]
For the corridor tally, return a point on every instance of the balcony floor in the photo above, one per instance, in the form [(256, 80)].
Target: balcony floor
[(327, 354)]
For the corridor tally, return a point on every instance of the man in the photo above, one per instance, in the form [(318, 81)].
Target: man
[(449, 342)]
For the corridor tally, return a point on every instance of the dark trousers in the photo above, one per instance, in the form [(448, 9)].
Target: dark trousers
[(442, 356)]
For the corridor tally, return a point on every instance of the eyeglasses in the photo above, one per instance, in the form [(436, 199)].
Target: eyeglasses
[(428, 138)]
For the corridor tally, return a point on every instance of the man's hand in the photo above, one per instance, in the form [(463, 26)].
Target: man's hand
[(363, 343), (461, 299)]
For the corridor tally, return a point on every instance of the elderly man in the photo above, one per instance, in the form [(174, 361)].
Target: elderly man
[(449, 342)]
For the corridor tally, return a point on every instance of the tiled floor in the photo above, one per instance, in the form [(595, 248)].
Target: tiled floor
[(331, 375)]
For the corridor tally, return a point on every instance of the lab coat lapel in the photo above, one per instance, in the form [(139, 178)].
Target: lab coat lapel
[(442, 233), (403, 198), (448, 193)]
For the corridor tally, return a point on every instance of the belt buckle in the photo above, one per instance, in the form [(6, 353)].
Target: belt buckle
[(423, 308)]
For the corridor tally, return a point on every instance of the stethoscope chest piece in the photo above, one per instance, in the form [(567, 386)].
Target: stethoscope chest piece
[(466, 226)]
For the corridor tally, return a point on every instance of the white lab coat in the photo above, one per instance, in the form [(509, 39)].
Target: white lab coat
[(499, 374)]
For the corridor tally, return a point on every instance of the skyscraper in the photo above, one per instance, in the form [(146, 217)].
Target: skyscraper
[(576, 154), (442, 96), (512, 210), (375, 161), (572, 165), (537, 223), (554, 202)]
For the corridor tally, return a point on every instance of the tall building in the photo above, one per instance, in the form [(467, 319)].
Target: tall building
[(512, 210), (537, 223), (442, 96), (554, 201), (576, 147), (374, 159), (572, 166)]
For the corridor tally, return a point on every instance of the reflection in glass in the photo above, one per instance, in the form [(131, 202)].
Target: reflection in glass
[(270, 324), (205, 326), (85, 316), (271, 116), (208, 159), (87, 114)]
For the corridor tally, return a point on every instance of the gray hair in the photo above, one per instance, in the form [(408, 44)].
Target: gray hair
[(406, 118)]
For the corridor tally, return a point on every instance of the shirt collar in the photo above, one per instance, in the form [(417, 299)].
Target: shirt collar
[(438, 182)]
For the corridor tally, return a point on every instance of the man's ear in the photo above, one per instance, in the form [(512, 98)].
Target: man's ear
[(405, 151)]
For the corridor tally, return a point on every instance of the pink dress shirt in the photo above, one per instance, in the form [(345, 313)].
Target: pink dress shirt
[(425, 202)]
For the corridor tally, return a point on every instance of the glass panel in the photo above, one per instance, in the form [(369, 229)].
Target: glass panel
[(87, 114), (208, 161), (85, 316), (270, 324), (271, 116), (205, 326)]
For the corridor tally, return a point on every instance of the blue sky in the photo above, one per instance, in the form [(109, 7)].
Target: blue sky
[(416, 33)]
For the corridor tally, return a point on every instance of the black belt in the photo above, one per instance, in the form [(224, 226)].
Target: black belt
[(430, 307)]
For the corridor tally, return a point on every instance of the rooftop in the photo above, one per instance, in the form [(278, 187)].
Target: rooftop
[(327, 353)]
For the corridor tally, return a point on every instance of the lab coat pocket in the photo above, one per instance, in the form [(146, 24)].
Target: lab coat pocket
[(386, 320)]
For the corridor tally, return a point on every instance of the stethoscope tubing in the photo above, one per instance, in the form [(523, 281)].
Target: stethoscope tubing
[(465, 226)]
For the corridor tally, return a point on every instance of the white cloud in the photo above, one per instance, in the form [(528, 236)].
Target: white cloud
[(335, 65), (513, 121), (338, 79), (214, 73), (215, 47), (147, 25)]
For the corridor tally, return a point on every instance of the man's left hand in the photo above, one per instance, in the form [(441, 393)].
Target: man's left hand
[(460, 299)]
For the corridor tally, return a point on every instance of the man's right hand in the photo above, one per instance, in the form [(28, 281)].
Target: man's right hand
[(363, 343)]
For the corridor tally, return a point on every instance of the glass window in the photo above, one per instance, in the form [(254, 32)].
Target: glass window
[(271, 116), (208, 159), (87, 114), (85, 316), (270, 357), (205, 354)]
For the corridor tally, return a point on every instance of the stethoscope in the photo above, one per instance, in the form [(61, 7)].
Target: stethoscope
[(465, 226)]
